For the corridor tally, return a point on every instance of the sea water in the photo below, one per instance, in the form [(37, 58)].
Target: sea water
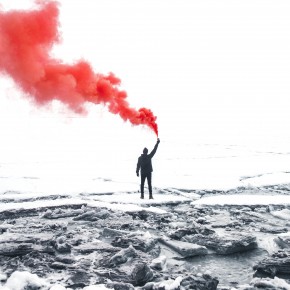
[(181, 166)]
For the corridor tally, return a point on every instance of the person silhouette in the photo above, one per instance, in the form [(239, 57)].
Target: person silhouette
[(144, 163)]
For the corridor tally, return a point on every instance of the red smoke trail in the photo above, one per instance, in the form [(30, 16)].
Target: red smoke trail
[(26, 38)]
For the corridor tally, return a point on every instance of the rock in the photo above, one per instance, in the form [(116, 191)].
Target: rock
[(59, 213), (185, 249), (223, 224), (108, 232), (203, 282), (120, 286), (96, 246), (180, 233), (61, 245), (158, 263), (15, 249), (226, 244), (136, 273), (79, 279), (273, 230), (65, 259), (93, 215), (195, 228), (278, 263), (140, 241), (169, 284), (283, 241), (267, 283), (58, 266), (247, 216), (123, 256)]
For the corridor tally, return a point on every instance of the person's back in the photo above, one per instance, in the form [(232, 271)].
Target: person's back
[(145, 164)]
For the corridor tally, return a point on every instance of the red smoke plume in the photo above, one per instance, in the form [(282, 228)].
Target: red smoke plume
[(26, 38)]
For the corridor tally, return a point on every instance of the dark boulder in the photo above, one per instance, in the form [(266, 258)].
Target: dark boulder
[(278, 263), (185, 249), (225, 244), (204, 282)]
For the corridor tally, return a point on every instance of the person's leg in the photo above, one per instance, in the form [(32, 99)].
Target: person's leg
[(149, 180), (142, 185)]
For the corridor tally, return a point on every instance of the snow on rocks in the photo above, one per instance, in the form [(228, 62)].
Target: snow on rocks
[(185, 249), (225, 244), (24, 280), (282, 214), (158, 263), (90, 243)]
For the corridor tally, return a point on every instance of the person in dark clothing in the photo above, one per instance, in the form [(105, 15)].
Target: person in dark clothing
[(145, 164)]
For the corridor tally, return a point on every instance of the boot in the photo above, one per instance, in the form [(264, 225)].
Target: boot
[(142, 196), (150, 196)]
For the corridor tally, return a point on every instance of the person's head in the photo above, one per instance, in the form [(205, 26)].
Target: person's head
[(145, 151)]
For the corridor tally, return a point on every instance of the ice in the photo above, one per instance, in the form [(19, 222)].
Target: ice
[(282, 214), (171, 284), (23, 280), (243, 199), (275, 283)]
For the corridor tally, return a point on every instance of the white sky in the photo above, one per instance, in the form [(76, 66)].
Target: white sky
[(210, 70)]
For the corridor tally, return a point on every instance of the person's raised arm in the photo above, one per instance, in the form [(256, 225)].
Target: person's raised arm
[(152, 153)]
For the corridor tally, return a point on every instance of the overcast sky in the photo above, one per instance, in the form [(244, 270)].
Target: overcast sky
[(210, 70)]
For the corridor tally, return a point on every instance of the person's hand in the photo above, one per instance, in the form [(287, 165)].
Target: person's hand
[(137, 174)]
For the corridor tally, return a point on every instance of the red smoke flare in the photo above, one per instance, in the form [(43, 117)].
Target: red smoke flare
[(26, 38)]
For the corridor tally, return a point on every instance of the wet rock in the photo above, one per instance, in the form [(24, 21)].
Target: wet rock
[(15, 249), (168, 284), (60, 213), (273, 230), (108, 232), (96, 246), (278, 263), (195, 228), (179, 233), (61, 245), (18, 213), (93, 215), (283, 241), (36, 261), (185, 249), (135, 272), (58, 266), (65, 259), (246, 216), (267, 283), (158, 263), (79, 279), (120, 286), (226, 244), (140, 241), (203, 282), (225, 224), (123, 256)]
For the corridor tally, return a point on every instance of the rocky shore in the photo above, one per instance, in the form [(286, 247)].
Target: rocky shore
[(181, 246)]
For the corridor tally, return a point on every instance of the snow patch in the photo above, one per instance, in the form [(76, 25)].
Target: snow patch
[(242, 199), (23, 280), (282, 214)]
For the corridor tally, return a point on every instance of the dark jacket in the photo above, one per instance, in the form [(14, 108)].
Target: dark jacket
[(144, 161)]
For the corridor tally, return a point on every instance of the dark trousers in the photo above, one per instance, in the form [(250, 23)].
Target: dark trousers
[(149, 178)]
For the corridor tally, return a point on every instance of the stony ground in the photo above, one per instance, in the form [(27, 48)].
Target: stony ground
[(187, 246)]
